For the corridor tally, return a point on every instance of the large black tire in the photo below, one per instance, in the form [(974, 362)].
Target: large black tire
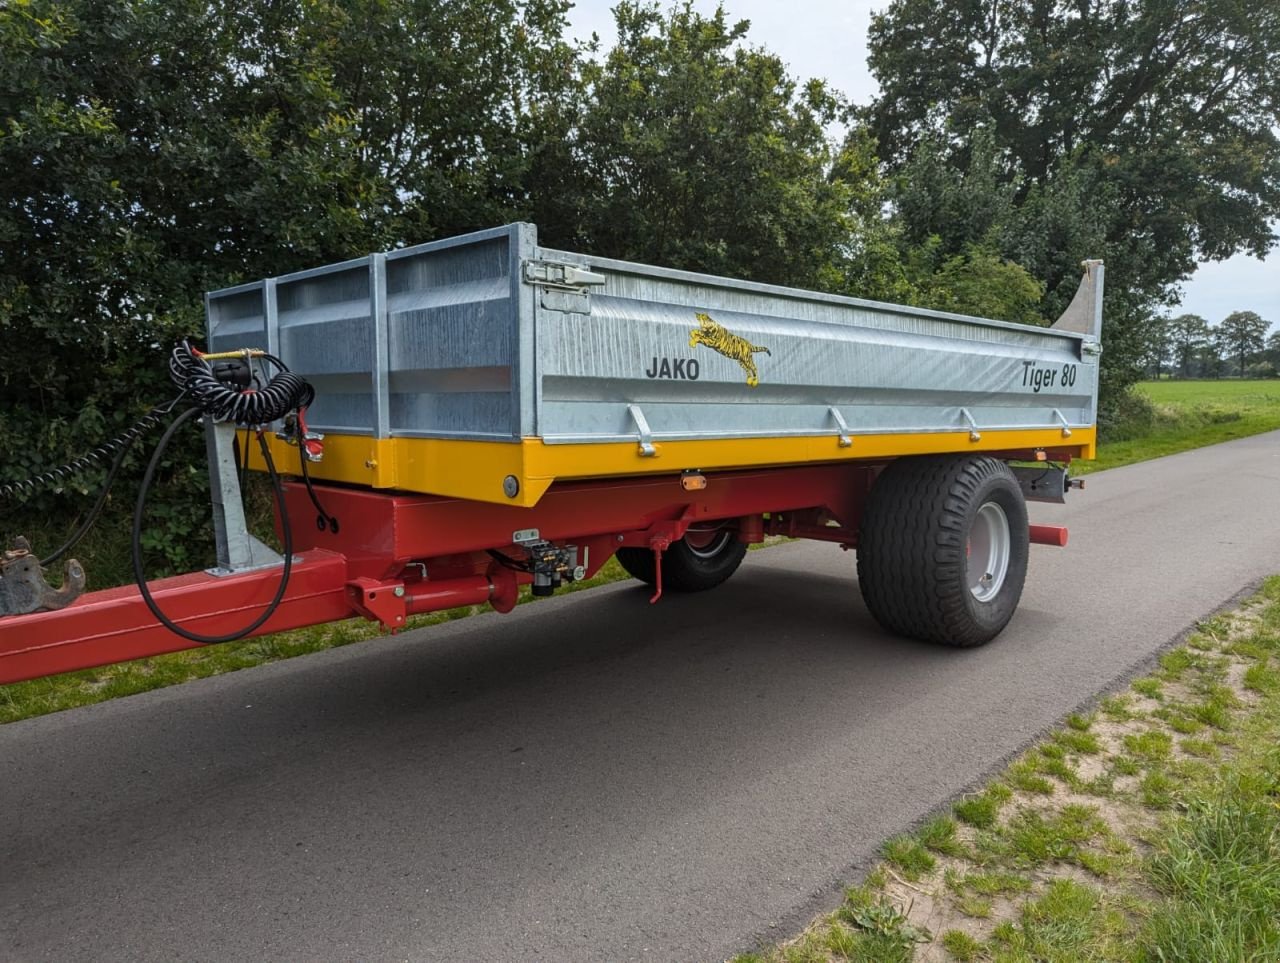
[(693, 564), (916, 558)]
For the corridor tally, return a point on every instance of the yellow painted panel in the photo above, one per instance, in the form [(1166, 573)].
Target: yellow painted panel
[(476, 469)]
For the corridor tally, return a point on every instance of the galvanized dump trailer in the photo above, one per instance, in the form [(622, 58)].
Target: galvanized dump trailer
[(496, 413)]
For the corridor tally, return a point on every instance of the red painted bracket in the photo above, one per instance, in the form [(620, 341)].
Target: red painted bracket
[(381, 601)]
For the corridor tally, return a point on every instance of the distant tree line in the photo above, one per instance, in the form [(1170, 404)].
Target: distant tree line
[(1187, 346), (154, 149)]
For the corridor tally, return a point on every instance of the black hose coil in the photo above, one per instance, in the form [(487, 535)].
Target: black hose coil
[(285, 392)]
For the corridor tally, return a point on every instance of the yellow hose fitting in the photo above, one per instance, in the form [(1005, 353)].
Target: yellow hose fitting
[(245, 353)]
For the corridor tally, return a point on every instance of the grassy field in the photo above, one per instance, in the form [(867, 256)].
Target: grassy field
[(1189, 414), (1148, 830)]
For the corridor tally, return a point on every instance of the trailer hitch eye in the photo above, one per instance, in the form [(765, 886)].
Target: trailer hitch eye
[(22, 585)]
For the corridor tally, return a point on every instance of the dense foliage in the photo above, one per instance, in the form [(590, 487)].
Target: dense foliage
[(154, 149), (1143, 133)]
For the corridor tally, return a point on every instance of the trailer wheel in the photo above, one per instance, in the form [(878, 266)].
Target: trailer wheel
[(699, 561), (942, 553)]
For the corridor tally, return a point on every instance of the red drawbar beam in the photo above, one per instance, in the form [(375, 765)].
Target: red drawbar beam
[(1048, 535), (115, 625)]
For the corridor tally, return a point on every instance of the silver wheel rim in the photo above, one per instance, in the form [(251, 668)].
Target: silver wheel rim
[(710, 550), (988, 552)]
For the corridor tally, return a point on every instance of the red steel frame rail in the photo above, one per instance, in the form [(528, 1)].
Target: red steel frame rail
[(398, 555)]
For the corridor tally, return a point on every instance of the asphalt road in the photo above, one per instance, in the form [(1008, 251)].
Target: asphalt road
[(590, 778)]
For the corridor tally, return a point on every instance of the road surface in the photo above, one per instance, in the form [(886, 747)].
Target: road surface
[(590, 778)]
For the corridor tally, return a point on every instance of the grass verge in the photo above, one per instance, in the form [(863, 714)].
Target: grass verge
[(1146, 831)]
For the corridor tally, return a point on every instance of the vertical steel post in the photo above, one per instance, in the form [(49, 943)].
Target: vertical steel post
[(237, 550)]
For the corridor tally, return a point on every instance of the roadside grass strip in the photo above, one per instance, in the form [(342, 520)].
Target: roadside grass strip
[(1147, 831)]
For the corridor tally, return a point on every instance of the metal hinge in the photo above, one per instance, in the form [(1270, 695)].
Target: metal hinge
[(1093, 348)]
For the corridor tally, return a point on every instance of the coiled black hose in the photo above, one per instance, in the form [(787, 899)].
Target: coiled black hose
[(285, 392)]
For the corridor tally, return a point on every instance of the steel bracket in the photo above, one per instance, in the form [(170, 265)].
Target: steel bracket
[(382, 601), (237, 550)]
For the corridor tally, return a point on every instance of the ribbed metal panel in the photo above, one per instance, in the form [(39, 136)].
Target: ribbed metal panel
[(449, 339)]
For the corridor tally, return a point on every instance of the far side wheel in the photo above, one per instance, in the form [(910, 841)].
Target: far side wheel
[(699, 561), (942, 554)]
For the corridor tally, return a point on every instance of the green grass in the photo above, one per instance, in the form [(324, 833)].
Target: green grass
[(939, 835), (961, 946), (980, 810), (909, 855), (1185, 415), (1219, 867)]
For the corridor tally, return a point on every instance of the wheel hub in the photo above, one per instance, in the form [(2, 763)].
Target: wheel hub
[(988, 552)]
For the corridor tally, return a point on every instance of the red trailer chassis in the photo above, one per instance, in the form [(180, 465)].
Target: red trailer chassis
[(398, 555)]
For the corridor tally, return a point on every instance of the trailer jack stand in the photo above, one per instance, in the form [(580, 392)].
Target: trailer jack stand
[(659, 545)]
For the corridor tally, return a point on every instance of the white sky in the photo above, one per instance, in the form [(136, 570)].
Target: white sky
[(828, 39)]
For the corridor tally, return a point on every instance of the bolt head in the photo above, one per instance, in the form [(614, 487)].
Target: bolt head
[(399, 593), (511, 486)]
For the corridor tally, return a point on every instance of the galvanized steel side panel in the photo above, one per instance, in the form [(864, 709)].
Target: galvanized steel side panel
[(422, 342), (820, 360), (448, 339), (326, 330), (454, 333)]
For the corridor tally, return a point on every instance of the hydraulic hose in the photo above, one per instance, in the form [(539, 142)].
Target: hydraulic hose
[(136, 541)]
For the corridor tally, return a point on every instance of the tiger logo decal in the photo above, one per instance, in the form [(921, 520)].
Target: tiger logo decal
[(722, 341)]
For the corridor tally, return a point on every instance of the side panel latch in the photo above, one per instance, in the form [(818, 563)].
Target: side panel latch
[(564, 287)]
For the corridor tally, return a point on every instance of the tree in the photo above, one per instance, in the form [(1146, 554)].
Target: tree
[(1242, 334), (150, 151), (1159, 346), (694, 150), (1273, 348), (1138, 132), (1187, 334)]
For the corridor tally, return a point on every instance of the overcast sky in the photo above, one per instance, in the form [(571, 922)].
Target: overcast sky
[(828, 39)]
